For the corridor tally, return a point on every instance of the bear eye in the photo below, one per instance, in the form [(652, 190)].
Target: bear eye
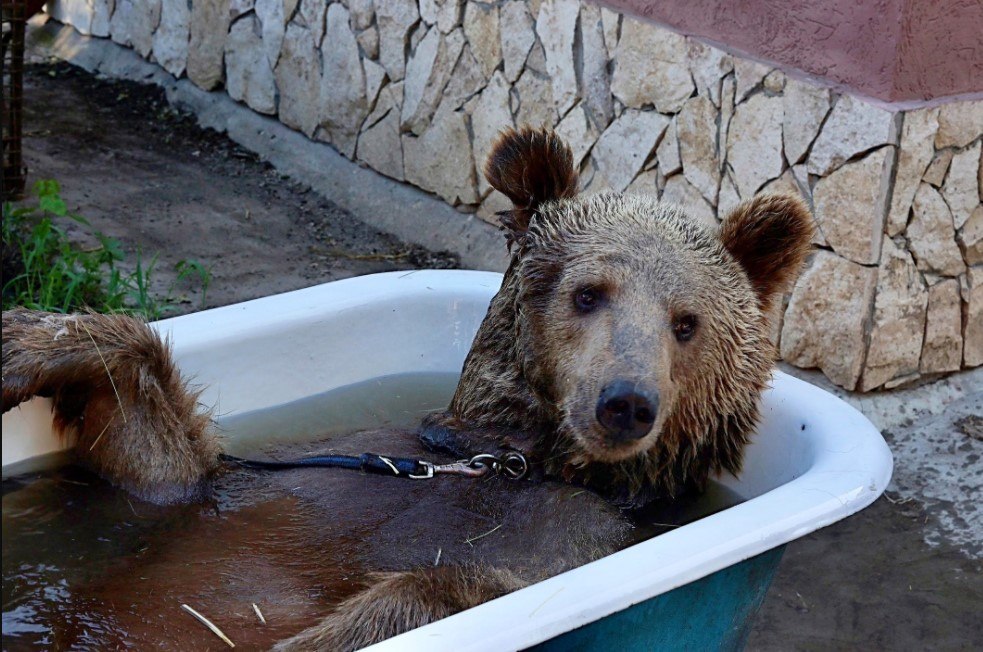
[(587, 300), (685, 328)]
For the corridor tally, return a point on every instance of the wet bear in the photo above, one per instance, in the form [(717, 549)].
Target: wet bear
[(625, 354)]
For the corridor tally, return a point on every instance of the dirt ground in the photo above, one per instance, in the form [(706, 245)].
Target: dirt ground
[(143, 173), (150, 177)]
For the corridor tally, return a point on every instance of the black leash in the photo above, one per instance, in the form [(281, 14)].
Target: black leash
[(510, 464)]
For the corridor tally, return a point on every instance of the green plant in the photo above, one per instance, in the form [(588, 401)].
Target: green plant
[(44, 270)]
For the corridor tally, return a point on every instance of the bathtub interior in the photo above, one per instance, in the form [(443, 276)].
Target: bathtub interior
[(813, 459)]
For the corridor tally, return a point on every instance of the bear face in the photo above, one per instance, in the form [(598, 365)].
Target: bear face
[(627, 307), (628, 346)]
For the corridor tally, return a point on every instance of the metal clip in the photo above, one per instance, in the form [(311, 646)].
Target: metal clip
[(429, 469), (512, 465)]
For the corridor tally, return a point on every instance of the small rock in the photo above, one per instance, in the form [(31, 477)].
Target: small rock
[(90, 17), (427, 73), (754, 143), (696, 129), (493, 204), (786, 185), (466, 80), (272, 18), (748, 74), (898, 321), (970, 238), (533, 100), (667, 152), (593, 80), (850, 206), (577, 131), (390, 97), (489, 115), (972, 293), (853, 127), (518, 36), (826, 320), (441, 160), (681, 192), (536, 60), (943, 347), (310, 14), (170, 46), (728, 88), (646, 183), (935, 174), (774, 82), (611, 21), (481, 27), (446, 14), (133, 24), (914, 156), (624, 147), (931, 236), (556, 26), (209, 29), (362, 13), (650, 67), (806, 107), (727, 199), (395, 18), (375, 75), (368, 41), (343, 99), (961, 189), (248, 76), (239, 7), (960, 123), (379, 146), (708, 65), (298, 80)]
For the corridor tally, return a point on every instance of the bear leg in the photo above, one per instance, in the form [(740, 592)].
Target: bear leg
[(116, 389), (398, 602)]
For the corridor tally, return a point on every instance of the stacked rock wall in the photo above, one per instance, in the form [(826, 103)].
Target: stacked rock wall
[(417, 90)]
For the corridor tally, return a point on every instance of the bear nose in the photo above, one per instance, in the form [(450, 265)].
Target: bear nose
[(627, 411)]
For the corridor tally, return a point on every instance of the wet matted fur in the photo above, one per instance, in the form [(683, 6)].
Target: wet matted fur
[(118, 393), (678, 310)]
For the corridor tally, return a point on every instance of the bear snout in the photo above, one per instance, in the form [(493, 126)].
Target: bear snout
[(626, 410)]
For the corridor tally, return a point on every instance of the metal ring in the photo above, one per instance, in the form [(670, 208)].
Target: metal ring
[(514, 465)]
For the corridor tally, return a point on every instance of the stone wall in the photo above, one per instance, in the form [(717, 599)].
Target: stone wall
[(417, 90)]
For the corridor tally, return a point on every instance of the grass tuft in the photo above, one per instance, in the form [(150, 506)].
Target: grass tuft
[(44, 270)]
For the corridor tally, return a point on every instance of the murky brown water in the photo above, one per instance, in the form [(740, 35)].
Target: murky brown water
[(87, 567)]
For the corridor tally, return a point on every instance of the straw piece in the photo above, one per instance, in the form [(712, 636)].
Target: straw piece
[(482, 536), (111, 381), (209, 624), (104, 429), (259, 613)]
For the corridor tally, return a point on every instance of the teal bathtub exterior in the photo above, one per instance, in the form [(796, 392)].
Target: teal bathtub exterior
[(713, 613)]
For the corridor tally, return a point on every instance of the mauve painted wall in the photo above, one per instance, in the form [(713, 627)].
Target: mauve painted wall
[(894, 50)]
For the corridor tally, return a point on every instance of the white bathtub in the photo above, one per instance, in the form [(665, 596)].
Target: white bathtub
[(814, 460)]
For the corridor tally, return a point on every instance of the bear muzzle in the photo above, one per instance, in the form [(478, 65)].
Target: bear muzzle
[(626, 410)]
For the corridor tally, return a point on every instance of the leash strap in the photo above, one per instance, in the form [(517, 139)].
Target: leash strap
[(511, 464)]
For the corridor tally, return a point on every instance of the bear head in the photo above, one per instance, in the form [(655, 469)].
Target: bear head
[(629, 344)]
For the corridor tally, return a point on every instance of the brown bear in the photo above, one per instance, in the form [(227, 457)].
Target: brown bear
[(625, 353)]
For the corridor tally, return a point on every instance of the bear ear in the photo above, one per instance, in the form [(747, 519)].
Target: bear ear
[(529, 166), (770, 237)]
